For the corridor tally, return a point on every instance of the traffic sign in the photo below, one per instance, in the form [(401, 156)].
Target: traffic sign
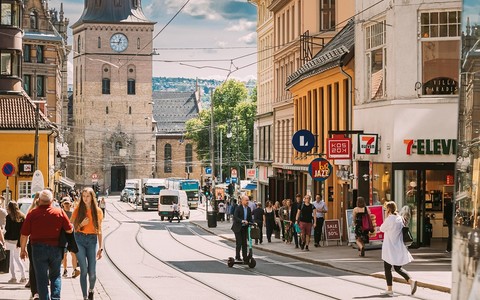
[(234, 180), (320, 169), (233, 173), (8, 169), (303, 140), (208, 171), (339, 148)]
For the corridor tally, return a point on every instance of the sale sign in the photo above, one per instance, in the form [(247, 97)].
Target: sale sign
[(339, 148), (320, 169)]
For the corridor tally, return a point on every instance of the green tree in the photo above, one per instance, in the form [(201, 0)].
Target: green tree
[(234, 112)]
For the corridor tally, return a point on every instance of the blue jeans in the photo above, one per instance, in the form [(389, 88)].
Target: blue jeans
[(46, 261), (87, 260)]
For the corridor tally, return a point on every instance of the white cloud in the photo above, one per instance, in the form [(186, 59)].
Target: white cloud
[(195, 8), (242, 25), (249, 39), (221, 44)]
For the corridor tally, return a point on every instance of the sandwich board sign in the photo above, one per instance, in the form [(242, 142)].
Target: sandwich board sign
[(37, 182)]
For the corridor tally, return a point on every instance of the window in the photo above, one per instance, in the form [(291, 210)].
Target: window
[(40, 56), (10, 13), (24, 189), (40, 86), (440, 45), (138, 43), (106, 110), (118, 147), (167, 167), (375, 60), (33, 20), (129, 110), (27, 84), (99, 42), (105, 86), (327, 15), (188, 158), (131, 86), (26, 53), (79, 44), (9, 63)]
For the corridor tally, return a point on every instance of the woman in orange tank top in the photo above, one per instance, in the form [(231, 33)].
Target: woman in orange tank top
[(87, 221)]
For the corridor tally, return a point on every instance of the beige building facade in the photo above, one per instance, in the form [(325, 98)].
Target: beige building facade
[(114, 134)]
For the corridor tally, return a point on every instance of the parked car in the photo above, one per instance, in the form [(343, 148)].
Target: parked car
[(127, 195)]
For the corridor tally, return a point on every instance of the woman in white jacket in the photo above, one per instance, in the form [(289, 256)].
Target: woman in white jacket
[(394, 251)]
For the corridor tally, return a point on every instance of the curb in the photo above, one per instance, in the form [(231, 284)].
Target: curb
[(325, 264)]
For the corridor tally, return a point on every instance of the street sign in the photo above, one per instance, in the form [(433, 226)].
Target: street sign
[(208, 171), (94, 178), (251, 173), (368, 144), (303, 140), (234, 180), (8, 169), (339, 148), (320, 169), (233, 173), (227, 181)]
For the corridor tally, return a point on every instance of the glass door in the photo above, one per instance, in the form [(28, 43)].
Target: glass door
[(409, 187)]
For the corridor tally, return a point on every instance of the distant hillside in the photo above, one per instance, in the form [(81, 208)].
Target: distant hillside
[(178, 84)]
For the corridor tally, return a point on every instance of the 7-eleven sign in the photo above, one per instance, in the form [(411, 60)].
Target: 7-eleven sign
[(367, 144)]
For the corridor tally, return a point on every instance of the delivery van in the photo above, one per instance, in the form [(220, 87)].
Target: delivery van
[(166, 200)]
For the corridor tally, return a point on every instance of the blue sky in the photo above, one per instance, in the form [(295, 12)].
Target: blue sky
[(201, 24), (471, 9)]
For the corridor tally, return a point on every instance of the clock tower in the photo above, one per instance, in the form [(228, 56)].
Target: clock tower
[(113, 137)]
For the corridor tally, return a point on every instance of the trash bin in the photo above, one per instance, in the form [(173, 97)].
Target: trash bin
[(211, 219)]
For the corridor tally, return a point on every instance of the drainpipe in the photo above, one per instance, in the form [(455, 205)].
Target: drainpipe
[(349, 96)]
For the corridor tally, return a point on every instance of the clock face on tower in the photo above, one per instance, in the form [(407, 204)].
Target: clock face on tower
[(118, 42)]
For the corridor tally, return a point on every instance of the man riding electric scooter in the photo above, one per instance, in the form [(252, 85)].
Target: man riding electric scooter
[(241, 218)]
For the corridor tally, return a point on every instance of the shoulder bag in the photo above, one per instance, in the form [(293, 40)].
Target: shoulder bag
[(367, 221), (5, 263), (407, 236), (3, 253)]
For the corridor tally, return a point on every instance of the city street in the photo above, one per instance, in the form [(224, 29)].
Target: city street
[(161, 260)]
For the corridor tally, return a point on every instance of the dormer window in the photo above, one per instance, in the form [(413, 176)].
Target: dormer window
[(33, 20)]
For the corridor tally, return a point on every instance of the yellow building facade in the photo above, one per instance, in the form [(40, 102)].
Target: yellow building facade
[(17, 137), (322, 101)]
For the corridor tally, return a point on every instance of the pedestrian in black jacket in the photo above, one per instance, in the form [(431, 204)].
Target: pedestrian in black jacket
[(13, 226), (259, 218), (241, 217), (293, 214)]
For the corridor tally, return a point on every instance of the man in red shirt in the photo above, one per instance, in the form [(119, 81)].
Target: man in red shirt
[(43, 225)]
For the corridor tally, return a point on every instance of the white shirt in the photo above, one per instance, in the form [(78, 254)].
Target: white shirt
[(3, 217), (320, 206), (221, 207), (394, 250)]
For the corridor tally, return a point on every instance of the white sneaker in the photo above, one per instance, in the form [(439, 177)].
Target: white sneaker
[(387, 293), (12, 280), (413, 285), (23, 280)]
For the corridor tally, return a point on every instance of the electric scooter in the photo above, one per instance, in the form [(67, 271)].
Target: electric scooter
[(250, 261)]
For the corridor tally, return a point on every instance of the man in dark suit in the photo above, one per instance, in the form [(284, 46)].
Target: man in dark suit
[(241, 217)]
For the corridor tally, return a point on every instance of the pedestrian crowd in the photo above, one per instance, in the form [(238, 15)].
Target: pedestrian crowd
[(291, 221), (47, 234)]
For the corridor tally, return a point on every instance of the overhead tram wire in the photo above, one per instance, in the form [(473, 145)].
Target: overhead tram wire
[(161, 30)]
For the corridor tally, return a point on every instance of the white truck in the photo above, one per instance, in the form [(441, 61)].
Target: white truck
[(151, 188), (134, 185)]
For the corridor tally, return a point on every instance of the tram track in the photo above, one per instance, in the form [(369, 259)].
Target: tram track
[(168, 264), (223, 261)]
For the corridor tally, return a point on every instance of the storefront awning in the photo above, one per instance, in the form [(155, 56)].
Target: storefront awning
[(250, 186), (67, 181)]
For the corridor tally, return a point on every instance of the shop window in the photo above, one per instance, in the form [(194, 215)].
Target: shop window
[(188, 158), (327, 15), (375, 42), (40, 56), (27, 84), (40, 86), (26, 53), (440, 45), (24, 189), (106, 86), (167, 166)]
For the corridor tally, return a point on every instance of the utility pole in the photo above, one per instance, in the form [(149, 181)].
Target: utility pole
[(37, 121), (212, 151), (221, 158)]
